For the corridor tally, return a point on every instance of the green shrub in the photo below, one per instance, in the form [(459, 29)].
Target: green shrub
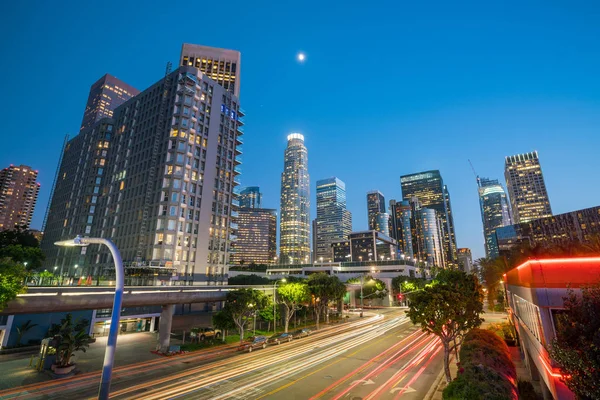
[(476, 352), (479, 382), (526, 390), (485, 336)]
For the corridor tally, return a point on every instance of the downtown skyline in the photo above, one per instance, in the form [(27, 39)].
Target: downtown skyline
[(485, 117)]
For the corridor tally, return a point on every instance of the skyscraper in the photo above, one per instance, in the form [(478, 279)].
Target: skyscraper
[(106, 94), (162, 177), (494, 212), (250, 197), (400, 220), (431, 239), (256, 237), (334, 221), (294, 225), (221, 65), (18, 195), (465, 259), (375, 205), (428, 187), (526, 188)]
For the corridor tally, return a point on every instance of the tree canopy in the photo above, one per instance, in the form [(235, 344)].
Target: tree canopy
[(324, 289), (12, 276), (252, 279), (372, 287), (576, 348), (448, 309), (291, 295), (241, 304)]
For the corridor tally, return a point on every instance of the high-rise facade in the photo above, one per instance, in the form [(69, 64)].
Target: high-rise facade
[(250, 197), (162, 176), (400, 222), (256, 240), (526, 187), (430, 238), (580, 226), (294, 225), (465, 259), (334, 221), (375, 205), (221, 65), (428, 187), (106, 94), (18, 195), (495, 212)]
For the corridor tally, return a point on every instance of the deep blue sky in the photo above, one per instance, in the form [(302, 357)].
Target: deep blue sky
[(388, 88)]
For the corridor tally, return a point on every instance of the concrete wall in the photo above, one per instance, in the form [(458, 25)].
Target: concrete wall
[(43, 321)]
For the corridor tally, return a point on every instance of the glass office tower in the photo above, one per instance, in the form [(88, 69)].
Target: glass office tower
[(294, 225), (334, 221)]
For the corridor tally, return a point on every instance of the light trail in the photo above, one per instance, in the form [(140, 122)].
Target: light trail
[(91, 378), (333, 347)]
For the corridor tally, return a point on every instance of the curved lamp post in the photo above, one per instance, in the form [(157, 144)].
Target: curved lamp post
[(111, 345)]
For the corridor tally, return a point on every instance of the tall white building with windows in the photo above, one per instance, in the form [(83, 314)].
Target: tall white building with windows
[(167, 196)]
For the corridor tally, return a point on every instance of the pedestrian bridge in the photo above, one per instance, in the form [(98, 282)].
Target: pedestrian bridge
[(72, 298)]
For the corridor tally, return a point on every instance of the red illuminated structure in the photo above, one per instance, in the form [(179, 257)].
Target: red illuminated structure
[(535, 292)]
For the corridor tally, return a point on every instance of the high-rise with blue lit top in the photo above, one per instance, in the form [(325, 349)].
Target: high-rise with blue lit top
[(495, 212), (294, 224)]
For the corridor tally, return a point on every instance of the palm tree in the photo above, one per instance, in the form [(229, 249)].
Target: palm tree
[(21, 330)]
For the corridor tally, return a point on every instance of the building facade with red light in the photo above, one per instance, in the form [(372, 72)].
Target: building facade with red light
[(535, 292)]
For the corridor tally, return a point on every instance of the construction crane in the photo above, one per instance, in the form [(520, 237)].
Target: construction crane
[(474, 173)]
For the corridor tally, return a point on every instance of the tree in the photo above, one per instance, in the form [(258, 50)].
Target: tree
[(248, 280), (291, 295), (492, 270), (12, 278), (23, 329), (33, 256), (224, 321), (241, 304), (448, 309), (324, 289), (576, 348), (372, 287), (18, 236)]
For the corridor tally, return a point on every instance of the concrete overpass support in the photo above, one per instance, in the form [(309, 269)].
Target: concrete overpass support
[(164, 328)]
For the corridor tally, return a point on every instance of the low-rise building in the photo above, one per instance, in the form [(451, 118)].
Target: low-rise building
[(535, 292)]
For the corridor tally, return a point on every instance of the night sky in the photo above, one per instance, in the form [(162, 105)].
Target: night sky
[(387, 88)]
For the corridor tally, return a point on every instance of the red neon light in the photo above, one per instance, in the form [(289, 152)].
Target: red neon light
[(549, 369), (585, 260)]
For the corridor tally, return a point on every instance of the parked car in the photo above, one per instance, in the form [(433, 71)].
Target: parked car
[(255, 342), (205, 333), (301, 333), (280, 337)]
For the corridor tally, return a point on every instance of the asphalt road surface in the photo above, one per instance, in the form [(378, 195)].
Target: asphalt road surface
[(381, 356)]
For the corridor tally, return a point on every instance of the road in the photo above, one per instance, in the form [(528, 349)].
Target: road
[(382, 356)]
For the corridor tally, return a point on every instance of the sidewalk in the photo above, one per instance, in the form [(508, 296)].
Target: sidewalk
[(131, 348)]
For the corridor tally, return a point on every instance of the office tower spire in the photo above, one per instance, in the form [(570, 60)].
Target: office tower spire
[(334, 221), (18, 195), (294, 226), (526, 188), (494, 212)]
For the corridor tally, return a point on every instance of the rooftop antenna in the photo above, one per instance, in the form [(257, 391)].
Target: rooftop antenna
[(475, 173)]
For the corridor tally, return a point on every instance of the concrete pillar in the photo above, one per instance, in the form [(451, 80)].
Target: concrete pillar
[(164, 328)]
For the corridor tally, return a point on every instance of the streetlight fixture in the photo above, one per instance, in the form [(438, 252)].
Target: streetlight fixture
[(111, 344)]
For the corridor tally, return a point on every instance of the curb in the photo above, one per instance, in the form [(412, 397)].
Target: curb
[(437, 382)]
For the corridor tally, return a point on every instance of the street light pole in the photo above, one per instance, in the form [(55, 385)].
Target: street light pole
[(111, 345)]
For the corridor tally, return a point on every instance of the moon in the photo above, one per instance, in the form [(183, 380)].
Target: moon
[(301, 57)]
